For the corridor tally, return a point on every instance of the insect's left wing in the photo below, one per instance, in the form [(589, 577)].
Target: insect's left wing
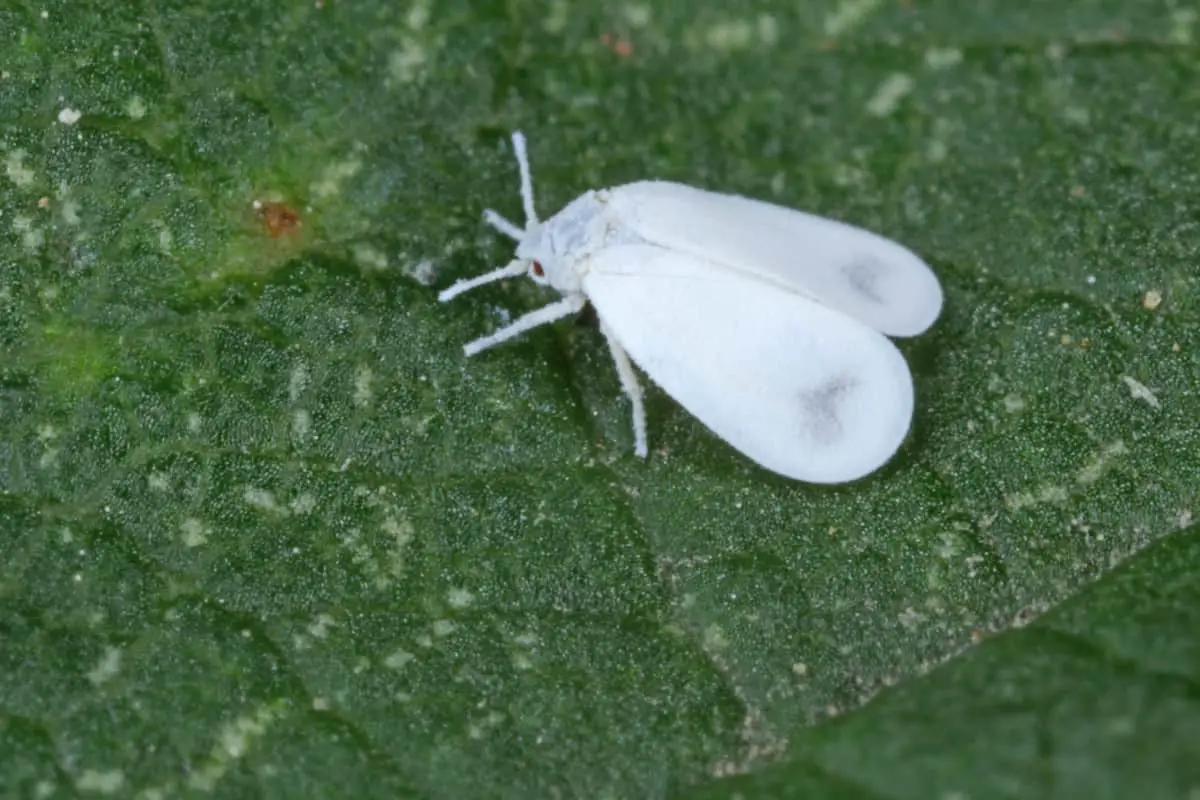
[(803, 390), (873, 279)]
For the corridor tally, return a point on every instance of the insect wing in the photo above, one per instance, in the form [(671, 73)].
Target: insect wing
[(873, 279), (798, 387)]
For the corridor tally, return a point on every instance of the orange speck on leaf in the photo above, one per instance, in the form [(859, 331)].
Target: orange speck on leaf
[(622, 47), (278, 219)]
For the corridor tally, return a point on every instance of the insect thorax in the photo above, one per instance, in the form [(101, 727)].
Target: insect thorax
[(564, 243)]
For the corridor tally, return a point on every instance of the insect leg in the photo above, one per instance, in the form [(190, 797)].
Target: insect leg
[(546, 314), (633, 390)]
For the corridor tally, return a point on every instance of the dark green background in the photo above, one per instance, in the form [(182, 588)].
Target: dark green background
[(265, 532)]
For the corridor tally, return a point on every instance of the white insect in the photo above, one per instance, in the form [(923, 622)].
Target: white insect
[(765, 323)]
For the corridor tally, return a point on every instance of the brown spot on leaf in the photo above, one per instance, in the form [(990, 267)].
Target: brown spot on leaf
[(278, 219)]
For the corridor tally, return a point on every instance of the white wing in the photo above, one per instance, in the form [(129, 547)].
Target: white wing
[(801, 389), (873, 279)]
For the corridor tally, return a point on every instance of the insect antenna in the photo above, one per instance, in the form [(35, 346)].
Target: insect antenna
[(518, 140)]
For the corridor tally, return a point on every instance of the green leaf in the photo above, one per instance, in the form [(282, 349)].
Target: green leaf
[(264, 531), (1095, 699)]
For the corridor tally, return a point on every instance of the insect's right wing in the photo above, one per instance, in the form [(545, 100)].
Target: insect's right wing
[(871, 278), (803, 390)]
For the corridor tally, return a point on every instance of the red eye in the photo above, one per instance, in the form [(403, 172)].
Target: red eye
[(537, 269)]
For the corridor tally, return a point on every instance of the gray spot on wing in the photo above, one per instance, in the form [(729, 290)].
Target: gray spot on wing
[(863, 276), (819, 410)]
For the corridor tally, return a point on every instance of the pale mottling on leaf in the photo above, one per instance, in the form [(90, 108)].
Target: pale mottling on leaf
[(298, 381), (888, 94), (398, 659), (234, 740), (32, 237), (319, 627), (1101, 463), (362, 386), (943, 57), (460, 598), (17, 171), (370, 258), (1139, 391), (105, 782), (710, 613), (334, 176), (263, 500), (849, 14), (136, 107), (107, 668), (194, 532)]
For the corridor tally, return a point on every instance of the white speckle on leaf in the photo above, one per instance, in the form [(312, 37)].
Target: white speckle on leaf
[(637, 15), (362, 386), (555, 19), (69, 116), (1139, 391), (135, 107), (1100, 464), (195, 533), (423, 272), (303, 504), (1151, 299), (1182, 22), (369, 258), (399, 659), (32, 237), (407, 63), (460, 598), (333, 176), (165, 239), (234, 741), (729, 35), (768, 29), (107, 668), (14, 167), (849, 15), (157, 481), (714, 638), (263, 500), (443, 628), (1014, 403), (888, 95), (109, 782), (418, 15), (1050, 494), (298, 381), (301, 423), (319, 627), (943, 57), (194, 422)]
